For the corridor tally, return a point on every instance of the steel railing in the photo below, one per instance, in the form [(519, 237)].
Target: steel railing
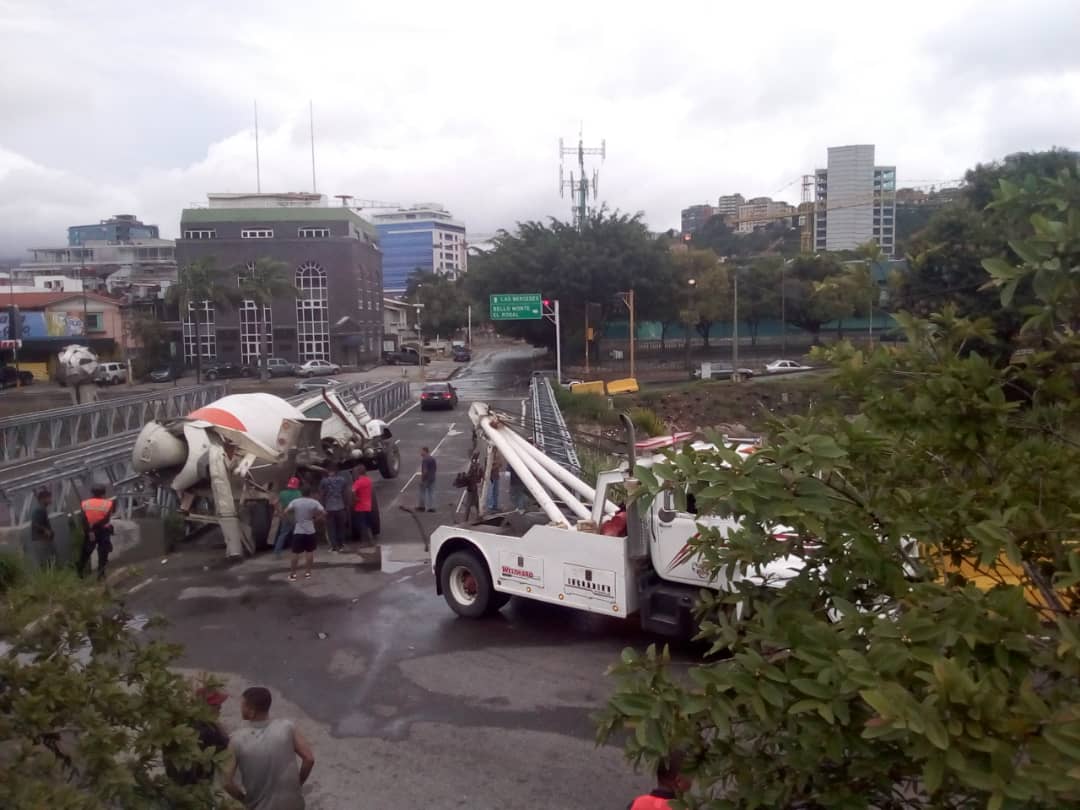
[(550, 433), (32, 435)]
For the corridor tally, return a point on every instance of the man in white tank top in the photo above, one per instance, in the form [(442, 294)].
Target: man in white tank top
[(265, 752)]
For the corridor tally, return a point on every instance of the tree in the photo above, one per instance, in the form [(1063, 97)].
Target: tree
[(694, 295), (611, 253), (713, 300), (924, 652), (811, 301), (262, 282), (199, 283), (150, 336), (759, 294), (86, 706), (444, 300)]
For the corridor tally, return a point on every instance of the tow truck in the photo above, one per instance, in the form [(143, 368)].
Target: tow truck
[(582, 549)]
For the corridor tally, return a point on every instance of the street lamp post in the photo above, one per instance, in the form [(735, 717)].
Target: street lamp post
[(690, 284), (628, 299), (735, 328)]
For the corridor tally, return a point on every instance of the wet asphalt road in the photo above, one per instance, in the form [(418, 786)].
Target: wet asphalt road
[(406, 705)]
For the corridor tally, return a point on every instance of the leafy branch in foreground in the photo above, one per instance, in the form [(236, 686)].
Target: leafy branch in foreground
[(927, 652)]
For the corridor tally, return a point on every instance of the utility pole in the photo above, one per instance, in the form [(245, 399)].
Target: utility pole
[(735, 328), (550, 311), (783, 309), (469, 330), (689, 300), (581, 186), (628, 299)]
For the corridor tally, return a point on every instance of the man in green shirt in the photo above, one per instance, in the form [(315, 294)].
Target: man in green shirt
[(42, 541), (285, 526)]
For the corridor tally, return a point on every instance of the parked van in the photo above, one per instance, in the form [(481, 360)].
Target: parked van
[(111, 373)]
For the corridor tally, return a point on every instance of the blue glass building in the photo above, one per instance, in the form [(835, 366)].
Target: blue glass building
[(424, 237), (120, 228)]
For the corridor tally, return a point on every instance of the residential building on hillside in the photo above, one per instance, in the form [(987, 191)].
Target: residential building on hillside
[(422, 237), (120, 256), (331, 255), (119, 228), (855, 201), (761, 212), (694, 217), (727, 206)]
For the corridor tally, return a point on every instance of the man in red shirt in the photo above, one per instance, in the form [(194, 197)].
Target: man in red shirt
[(362, 524), (670, 780)]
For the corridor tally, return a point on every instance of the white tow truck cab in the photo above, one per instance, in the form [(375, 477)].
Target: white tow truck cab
[(584, 551)]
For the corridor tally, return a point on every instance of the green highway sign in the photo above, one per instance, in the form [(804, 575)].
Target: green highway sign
[(516, 307)]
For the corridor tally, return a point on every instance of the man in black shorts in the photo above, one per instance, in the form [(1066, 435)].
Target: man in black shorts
[(305, 512)]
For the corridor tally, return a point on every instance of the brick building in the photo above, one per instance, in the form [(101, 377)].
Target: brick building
[(334, 260)]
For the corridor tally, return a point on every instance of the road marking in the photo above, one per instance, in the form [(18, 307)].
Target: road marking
[(460, 501), (403, 413), (449, 432), (407, 483)]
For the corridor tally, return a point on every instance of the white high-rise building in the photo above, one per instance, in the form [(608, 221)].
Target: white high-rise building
[(855, 201)]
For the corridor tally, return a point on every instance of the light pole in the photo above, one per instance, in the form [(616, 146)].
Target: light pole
[(783, 307), (420, 341), (735, 327), (690, 284), (628, 299)]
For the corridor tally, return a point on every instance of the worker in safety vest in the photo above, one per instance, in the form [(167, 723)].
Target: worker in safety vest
[(669, 780), (97, 512)]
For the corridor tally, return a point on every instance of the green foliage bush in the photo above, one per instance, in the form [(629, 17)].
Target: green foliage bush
[(12, 569), (885, 674)]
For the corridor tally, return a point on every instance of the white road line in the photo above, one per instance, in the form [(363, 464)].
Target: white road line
[(403, 413), (407, 483), (444, 438), (460, 501)]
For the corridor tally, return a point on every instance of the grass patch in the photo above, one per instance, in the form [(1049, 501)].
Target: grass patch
[(648, 422), (594, 408), (12, 570)]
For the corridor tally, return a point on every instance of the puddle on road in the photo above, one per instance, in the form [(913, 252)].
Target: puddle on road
[(391, 566)]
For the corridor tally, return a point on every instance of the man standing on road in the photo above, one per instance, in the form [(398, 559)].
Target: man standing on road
[(42, 545), (305, 511), (496, 475), (473, 478), (285, 522), (265, 752), (333, 491), (96, 515), (363, 527), (427, 481)]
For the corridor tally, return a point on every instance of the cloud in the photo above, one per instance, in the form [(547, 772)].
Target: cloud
[(145, 113)]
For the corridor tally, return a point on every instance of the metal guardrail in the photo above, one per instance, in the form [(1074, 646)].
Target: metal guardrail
[(70, 475), (32, 435), (550, 433)]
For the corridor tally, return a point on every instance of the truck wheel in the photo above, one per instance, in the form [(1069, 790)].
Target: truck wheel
[(466, 585), (390, 462)]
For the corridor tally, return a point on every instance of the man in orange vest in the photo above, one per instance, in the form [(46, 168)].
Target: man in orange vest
[(669, 780), (97, 511)]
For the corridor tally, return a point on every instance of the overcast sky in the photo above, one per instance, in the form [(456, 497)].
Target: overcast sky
[(142, 108)]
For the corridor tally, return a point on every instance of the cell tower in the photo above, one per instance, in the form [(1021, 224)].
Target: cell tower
[(581, 186)]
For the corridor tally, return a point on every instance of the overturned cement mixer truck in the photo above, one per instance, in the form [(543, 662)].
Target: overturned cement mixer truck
[(226, 460)]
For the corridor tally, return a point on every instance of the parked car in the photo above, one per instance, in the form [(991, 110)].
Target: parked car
[(110, 373), (224, 371), (461, 354), (778, 366), (165, 374), (8, 377), (405, 356), (724, 373), (438, 395), (320, 367), (280, 367), (315, 384)]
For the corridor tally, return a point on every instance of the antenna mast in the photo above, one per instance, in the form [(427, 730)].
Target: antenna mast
[(258, 173), (311, 120), (581, 186)]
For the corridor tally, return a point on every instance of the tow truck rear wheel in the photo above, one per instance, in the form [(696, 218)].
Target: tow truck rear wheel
[(466, 586)]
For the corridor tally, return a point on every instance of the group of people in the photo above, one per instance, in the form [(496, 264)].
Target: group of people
[(269, 760), (345, 509), (474, 477)]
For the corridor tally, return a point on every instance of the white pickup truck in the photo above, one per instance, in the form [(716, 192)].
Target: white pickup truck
[(584, 551)]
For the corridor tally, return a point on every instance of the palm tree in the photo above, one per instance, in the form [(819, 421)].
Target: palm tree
[(198, 283), (261, 282)]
